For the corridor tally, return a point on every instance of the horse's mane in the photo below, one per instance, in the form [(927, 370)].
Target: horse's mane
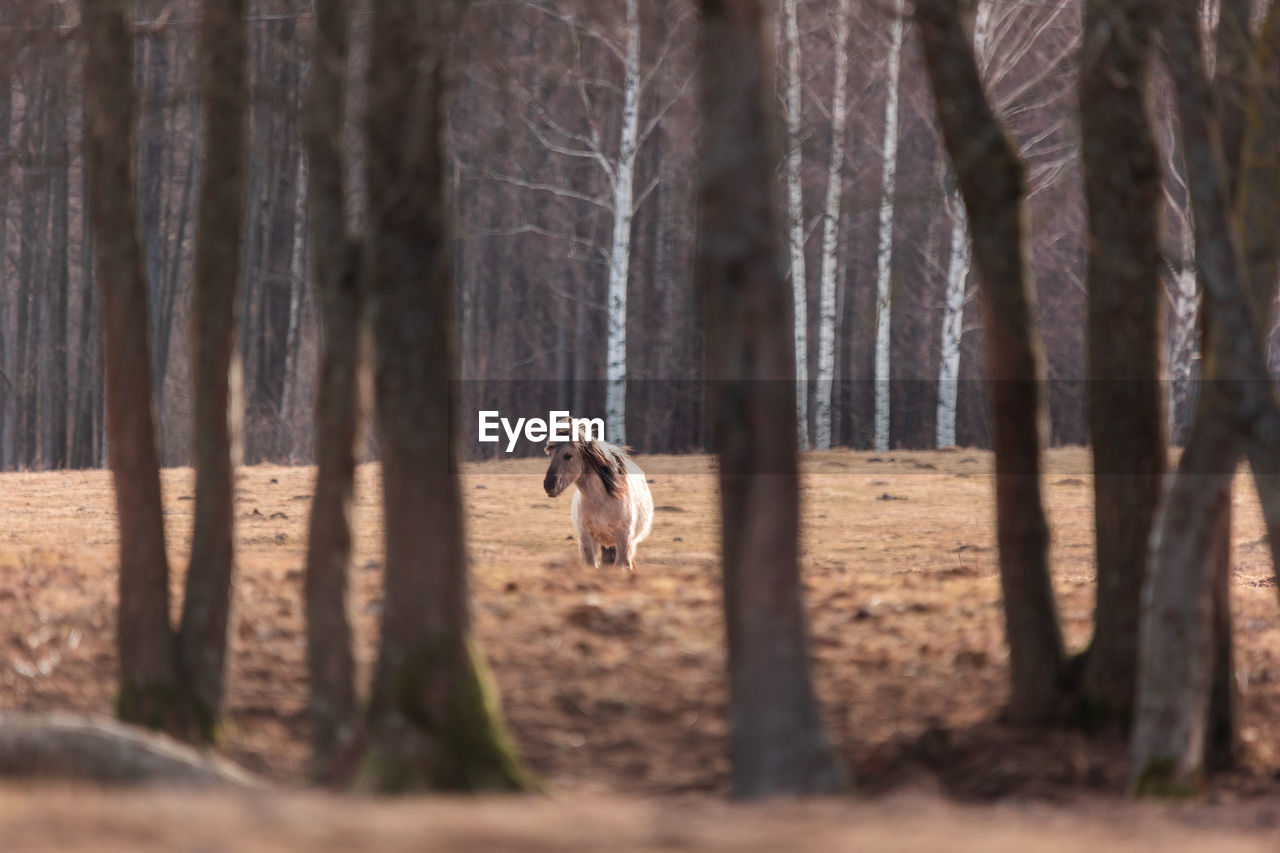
[(609, 461)]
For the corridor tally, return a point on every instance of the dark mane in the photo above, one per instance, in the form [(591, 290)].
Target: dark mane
[(609, 463)]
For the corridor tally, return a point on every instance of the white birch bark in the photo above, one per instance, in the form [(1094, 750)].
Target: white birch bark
[(953, 323), (884, 254), (620, 250), (957, 275), (831, 235), (795, 216), (1184, 341)]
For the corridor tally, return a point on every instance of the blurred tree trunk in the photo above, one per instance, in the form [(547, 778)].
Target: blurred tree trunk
[(330, 662), (148, 678), (54, 385), (992, 182), (1124, 336), (8, 409), (1238, 403), (434, 720), (1233, 50), (223, 81), (777, 741)]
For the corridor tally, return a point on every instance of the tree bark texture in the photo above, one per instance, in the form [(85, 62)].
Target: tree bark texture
[(1125, 334)]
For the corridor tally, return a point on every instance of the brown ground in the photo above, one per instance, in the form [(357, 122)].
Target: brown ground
[(613, 685)]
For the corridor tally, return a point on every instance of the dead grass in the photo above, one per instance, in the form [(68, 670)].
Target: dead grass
[(613, 685)]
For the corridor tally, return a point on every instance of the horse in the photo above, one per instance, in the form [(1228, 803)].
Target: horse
[(612, 510)]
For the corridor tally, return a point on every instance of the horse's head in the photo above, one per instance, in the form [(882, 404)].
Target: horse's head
[(567, 465)]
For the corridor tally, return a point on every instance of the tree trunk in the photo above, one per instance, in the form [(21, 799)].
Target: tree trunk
[(1176, 657), (830, 235), (434, 720), (953, 322), (623, 179), (992, 182), (330, 661), (54, 384), (224, 85), (1125, 307), (884, 251), (777, 742), (795, 218), (148, 681)]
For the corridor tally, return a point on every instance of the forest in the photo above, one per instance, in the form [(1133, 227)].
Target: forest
[(572, 133), (932, 346)]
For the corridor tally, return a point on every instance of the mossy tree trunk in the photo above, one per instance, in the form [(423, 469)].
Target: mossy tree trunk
[(433, 719), (777, 741), (1124, 337), (331, 666), (168, 680), (221, 55), (148, 674), (992, 182)]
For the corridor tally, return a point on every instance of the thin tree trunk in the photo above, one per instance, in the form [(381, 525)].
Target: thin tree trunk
[(953, 322), (992, 182), (777, 742), (297, 288), (434, 720), (795, 219), (55, 380), (330, 661), (223, 79), (1125, 332), (830, 235), (884, 251), (623, 178), (148, 679)]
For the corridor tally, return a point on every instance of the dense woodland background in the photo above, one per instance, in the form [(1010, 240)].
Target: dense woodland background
[(538, 120)]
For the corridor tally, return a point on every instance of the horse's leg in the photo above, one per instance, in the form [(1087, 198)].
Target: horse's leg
[(589, 549), (624, 555)]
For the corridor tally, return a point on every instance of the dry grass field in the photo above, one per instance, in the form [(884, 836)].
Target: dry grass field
[(613, 684)]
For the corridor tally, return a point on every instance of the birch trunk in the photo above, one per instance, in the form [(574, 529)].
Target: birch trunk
[(884, 251), (831, 235), (795, 219), (953, 322), (620, 253)]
